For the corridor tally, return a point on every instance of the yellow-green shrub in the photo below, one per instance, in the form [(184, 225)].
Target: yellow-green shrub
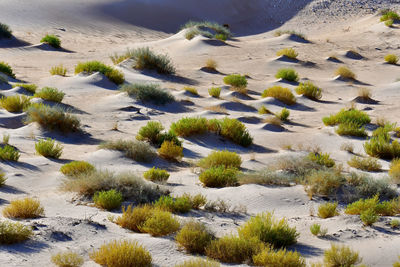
[(111, 73), (283, 94), (170, 151), (58, 70), (23, 209), (288, 52), (108, 200), (52, 40), (189, 126), (133, 218), (199, 263), (194, 237), (161, 223), (288, 74), (49, 148), (15, 103), (323, 182), (235, 131), (309, 90), (221, 158), (323, 159), (236, 80), (14, 232), (391, 59), (394, 171), (341, 256), (50, 94), (8, 152), (191, 90), (219, 177), (327, 210), (279, 258), (136, 150), (365, 164), (214, 92), (345, 72), (156, 175), (177, 205), (67, 259), (75, 168)]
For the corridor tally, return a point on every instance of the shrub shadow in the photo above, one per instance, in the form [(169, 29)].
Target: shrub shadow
[(78, 138), (21, 165), (28, 247), (307, 250), (173, 78), (9, 189), (13, 42)]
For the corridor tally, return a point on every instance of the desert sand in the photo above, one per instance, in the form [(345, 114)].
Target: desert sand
[(94, 30)]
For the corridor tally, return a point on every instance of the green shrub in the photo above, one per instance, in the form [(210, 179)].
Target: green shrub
[(327, 210), (196, 201), (169, 136), (136, 150), (111, 73), (52, 118), (287, 52), (385, 208), (287, 74), (134, 218), (207, 29), (391, 59), (369, 217), (284, 95), (189, 126), (341, 256), (389, 23), (161, 223), (191, 90), (291, 32), (14, 232), (316, 230), (323, 182), (351, 129), (122, 254), (390, 15), (214, 92), (264, 110), (380, 147), (199, 263), (116, 59), (347, 116), (236, 80), (150, 132), (394, 171), (219, 177), (31, 88), (6, 69), (5, 31), (3, 179), (156, 175), (145, 58), (108, 200), (284, 114), (279, 258), (67, 259), (51, 94), (394, 223), (49, 148), (75, 168), (170, 151), (58, 70), (15, 103), (148, 93), (323, 159), (194, 237), (309, 90), (51, 40), (266, 177), (178, 205), (221, 158), (25, 208), (9, 153), (365, 164), (235, 131), (345, 72), (268, 229)]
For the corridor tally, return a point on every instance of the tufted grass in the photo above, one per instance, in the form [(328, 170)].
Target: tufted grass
[(345, 72), (309, 90), (287, 74), (341, 255), (9, 153), (137, 150), (51, 40), (194, 237), (207, 29), (288, 52), (323, 159), (189, 126), (161, 223), (31, 88), (191, 90), (235, 131), (214, 92), (14, 232), (365, 164), (25, 208), (327, 210), (178, 205), (108, 200), (145, 58), (15, 103), (67, 259), (236, 80), (90, 67), (147, 92), (5, 31), (219, 177), (58, 70), (394, 170), (351, 129), (6, 69), (391, 59), (133, 218), (347, 116), (199, 262), (221, 158), (75, 168), (50, 94), (280, 93), (49, 148), (211, 64), (156, 175)]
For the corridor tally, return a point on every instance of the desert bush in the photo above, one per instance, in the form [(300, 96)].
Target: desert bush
[(394, 171), (116, 58), (51, 40), (145, 58), (369, 217), (207, 29), (15, 103), (122, 253), (58, 70), (273, 120), (385, 208), (49, 148), (345, 72), (52, 118), (67, 259), (283, 94), (6, 69), (5, 31), (136, 150), (75, 168), (309, 90), (147, 92), (364, 93), (316, 230), (6, 139), (191, 90), (323, 182), (323, 159), (51, 94), (188, 126), (365, 164), (264, 110), (279, 258), (389, 22), (221, 158), (31, 88), (150, 132), (283, 115), (219, 177), (287, 74), (211, 64), (347, 116), (394, 223), (133, 218), (234, 249), (161, 223), (3, 179), (327, 210), (341, 256), (214, 92), (111, 73), (131, 186), (196, 201), (390, 15), (381, 147), (351, 129), (236, 80), (194, 237), (170, 151), (391, 59), (108, 200), (177, 205), (156, 175), (235, 131), (288, 52), (9, 153), (295, 167), (199, 263), (268, 229), (14, 232), (25, 208)]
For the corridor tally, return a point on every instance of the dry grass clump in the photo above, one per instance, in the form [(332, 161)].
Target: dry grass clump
[(6, 69), (391, 59), (9, 153), (31, 88), (323, 183), (316, 230), (147, 92), (50, 94), (288, 52), (199, 263), (75, 168), (5, 31), (170, 151), (365, 164), (221, 158), (194, 237), (59, 70), (177, 205), (52, 118), (3, 179), (145, 58), (49, 148), (189, 126), (309, 90), (122, 253), (26, 208), (133, 218), (394, 171), (51, 40), (14, 232), (265, 177), (161, 223), (339, 255), (136, 150), (156, 175), (327, 210), (211, 64), (219, 177), (108, 200), (191, 90), (236, 81), (287, 74), (214, 92), (111, 73), (264, 110), (345, 73), (279, 258), (67, 259), (364, 93), (266, 228), (116, 58), (196, 201), (273, 120), (15, 103), (283, 94)]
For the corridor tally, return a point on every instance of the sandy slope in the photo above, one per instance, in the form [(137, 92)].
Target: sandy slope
[(95, 29)]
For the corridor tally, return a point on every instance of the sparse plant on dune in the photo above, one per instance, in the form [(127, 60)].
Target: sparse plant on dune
[(323, 159), (264, 110), (309, 90), (327, 210), (219, 177), (389, 23), (23, 209), (365, 164), (351, 129), (5, 31), (194, 237), (235, 131), (108, 200), (75, 168), (191, 90), (148, 93), (287, 74), (236, 81), (265, 177), (211, 64), (369, 217), (394, 171), (199, 263), (380, 146), (206, 29), (50, 94), (14, 232), (156, 175), (288, 52), (292, 32), (58, 70), (150, 132), (347, 116), (221, 158), (349, 147), (51, 40), (196, 201), (364, 93), (111, 73), (49, 148), (15, 103), (279, 258), (6, 69), (283, 115), (67, 259), (170, 151), (390, 15), (391, 59), (280, 93), (177, 205), (9, 153), (345, 73), (118, 58), (341, 255), (136, 150), (161, 223), (316, 230), (189, 126), (145, 58), (323, 182), (3, 179), (273, 120), (31, 88), (214, 92), (133, 218)]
